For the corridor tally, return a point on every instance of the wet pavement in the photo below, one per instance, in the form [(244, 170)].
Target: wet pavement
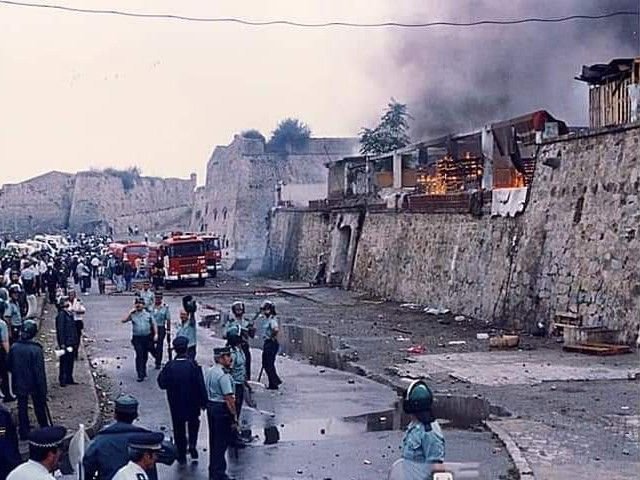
[(331, 424)]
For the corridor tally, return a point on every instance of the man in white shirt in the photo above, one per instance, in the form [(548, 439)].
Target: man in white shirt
[(143, 454), (44, 454)]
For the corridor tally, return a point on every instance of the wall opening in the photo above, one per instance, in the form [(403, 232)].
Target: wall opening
[(341, 255)]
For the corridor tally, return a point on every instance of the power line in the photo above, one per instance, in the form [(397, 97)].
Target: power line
[(290, 23)]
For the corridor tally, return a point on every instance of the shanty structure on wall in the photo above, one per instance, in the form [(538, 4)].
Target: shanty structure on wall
[(457, 173), (614, 91)]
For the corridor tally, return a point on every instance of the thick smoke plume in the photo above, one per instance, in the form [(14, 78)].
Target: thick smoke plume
[(462, 78)]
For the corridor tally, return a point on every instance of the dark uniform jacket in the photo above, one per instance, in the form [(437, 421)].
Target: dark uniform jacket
[(9, 454), (107, 452), (26, 364), (66, 330), (183, 380)]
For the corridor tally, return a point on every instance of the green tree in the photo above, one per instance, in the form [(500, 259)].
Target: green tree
[(289, 131), (391, 132)]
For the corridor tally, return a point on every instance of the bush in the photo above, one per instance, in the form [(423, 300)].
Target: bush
[(253, 134), (289, 131)]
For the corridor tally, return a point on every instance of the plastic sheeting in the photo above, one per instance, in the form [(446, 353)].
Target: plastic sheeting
[(508, 202)]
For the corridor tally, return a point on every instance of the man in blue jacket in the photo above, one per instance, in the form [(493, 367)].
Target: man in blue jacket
[(107, 452)]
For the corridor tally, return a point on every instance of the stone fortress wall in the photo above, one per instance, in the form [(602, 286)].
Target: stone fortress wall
[(574, 249), (240, 188), (90, 201)]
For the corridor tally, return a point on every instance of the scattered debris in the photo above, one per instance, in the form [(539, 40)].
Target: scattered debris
[(416, 349), (436, 311), (411, 306), (482, 336), (367, 462), (601, 349), (401, 330), (457, 342), (401, 338), (504, 341), (409, 360), (460, 318)]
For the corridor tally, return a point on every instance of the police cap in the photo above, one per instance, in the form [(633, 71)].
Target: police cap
[(218, 352), (29, 329), (139, 300), (180, 344), (47, 437), (146, 441), (126, 404)]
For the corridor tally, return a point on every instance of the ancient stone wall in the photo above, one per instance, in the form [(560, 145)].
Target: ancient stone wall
[(90, 201), (575, 247), (100, 197), (241, 183), (40, 204)]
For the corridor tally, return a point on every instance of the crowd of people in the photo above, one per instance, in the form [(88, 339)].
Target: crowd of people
[(122, 450)]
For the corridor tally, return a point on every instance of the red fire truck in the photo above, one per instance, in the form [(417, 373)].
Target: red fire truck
[(212, 252), (183, 257)]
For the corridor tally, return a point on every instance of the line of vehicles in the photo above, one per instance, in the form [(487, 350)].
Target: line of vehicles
[(183, 256)]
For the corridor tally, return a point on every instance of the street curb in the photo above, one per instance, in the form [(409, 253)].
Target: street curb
[(521, 463), (96, 421)]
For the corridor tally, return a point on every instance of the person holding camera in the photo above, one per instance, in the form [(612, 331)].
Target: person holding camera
[(144, 334)]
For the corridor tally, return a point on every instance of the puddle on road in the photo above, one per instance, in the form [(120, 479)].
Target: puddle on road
[(267, 430)]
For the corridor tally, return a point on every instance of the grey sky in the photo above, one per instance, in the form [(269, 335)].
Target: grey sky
[(81, 91)]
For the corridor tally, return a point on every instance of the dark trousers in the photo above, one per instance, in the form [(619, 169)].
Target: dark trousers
[(180, 428), (66, 367), (220, 437), (269, 352), (40, 409), (4, 374), (101, 285), (191, 352), (142, 346), (239, 399), (247, 355), (52, 294), (158, 347)]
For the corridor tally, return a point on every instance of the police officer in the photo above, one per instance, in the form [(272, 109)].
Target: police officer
[(147, 295), (423, 441), (143, 450), (183, 380), (162, 317), (9, 453), (12, 313), (188, 324), (45, 451), (107, 453), (143, 335), (68, 341), (238, 369), (244, 328), (271, 346), (28, 377), (221, 412)]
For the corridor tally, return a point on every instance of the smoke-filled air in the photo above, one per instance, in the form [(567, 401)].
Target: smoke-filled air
[(456, 79)]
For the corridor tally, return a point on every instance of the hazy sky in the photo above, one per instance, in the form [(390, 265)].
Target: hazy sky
[(81, 91)]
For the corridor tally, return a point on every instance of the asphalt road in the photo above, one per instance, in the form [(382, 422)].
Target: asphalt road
[(329, 421)]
